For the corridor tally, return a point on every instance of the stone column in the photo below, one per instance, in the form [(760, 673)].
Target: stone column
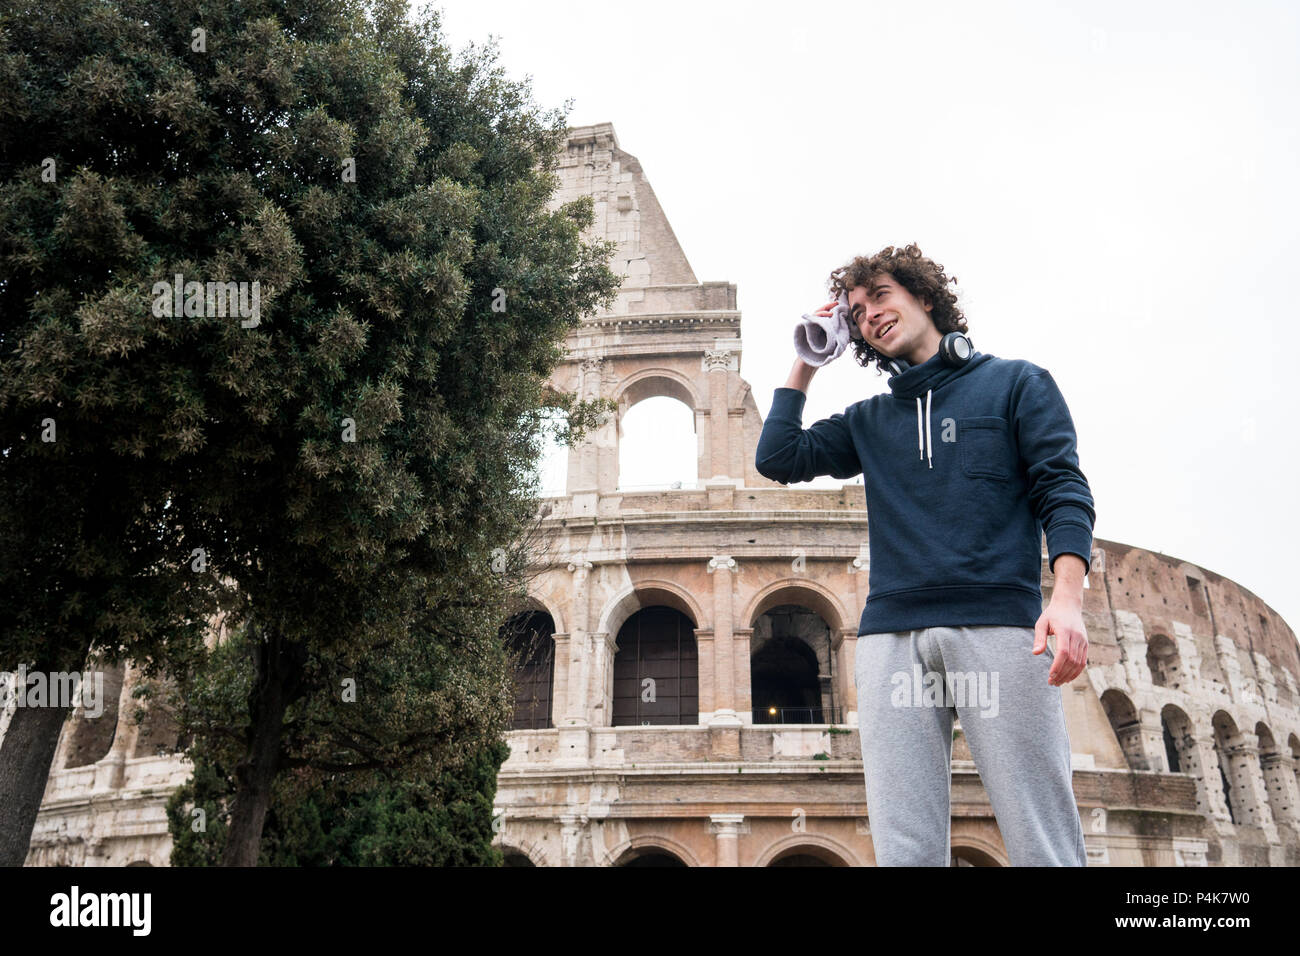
[(1149, 744), (1279, 781), (571, 834), (1206, 763), (601, 706), (846, 657), (727, 828), (560, 688), (706, 658), (717, 362), (724, 663), (575, 730), (110, 771), (740, 655), (590, 472), (1248, 783)]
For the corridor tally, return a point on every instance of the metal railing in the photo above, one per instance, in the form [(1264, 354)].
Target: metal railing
[(797, 715)]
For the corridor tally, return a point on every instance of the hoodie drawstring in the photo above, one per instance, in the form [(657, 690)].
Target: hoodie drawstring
[(924, 448)]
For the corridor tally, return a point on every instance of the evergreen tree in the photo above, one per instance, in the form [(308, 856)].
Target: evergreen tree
[(284, 276)]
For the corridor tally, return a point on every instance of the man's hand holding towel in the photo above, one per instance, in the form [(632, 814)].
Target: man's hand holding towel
[(820, 337)]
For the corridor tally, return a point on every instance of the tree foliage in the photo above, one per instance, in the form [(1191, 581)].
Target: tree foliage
[(347, 458)]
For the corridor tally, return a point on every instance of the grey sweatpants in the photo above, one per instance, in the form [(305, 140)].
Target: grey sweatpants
[(910, 684)]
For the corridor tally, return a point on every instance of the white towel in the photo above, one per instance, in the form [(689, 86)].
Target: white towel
[(819, 339)]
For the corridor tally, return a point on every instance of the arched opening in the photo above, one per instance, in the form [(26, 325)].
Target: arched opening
[(1128, 731), (515, 857), (552, 471), (92, 737), (1163, 662), (530, 648), (656, 670), (657, 445), (1225, 730), (790, 668), (1184, 756), (971, 856)]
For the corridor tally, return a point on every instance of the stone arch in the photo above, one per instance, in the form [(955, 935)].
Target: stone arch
[(648, 593), (1180, 745), (628, 850), (816, 597), (976, 851), (535, 855), (1123, 718), (655, 382), (1163, 661), (543, 603), (515, 855), (812, 844)]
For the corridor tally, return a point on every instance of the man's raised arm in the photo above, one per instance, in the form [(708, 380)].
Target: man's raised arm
[(788, 453)]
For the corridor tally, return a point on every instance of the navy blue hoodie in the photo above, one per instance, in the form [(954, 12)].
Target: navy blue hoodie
[(964, 469)]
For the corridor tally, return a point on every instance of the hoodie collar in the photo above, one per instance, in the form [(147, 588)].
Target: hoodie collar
[(931, 374)]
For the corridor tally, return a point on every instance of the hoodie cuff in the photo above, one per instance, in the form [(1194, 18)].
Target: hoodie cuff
[(1069, 538)]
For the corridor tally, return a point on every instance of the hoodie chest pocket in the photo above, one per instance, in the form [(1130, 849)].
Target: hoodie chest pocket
[(985, 445)]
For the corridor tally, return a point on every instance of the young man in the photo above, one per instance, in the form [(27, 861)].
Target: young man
[(965, 466)]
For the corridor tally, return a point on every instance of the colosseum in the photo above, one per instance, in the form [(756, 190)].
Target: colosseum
[(739, 598)]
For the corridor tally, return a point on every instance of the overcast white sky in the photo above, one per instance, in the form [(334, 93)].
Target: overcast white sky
[(1113, 183)]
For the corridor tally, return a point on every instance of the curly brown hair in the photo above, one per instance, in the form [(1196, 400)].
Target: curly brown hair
[(917, 274)]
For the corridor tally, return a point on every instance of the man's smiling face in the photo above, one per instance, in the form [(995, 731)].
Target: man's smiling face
[(892, 320)]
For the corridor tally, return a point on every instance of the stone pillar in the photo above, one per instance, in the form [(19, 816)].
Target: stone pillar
[(110, 771), (560, 688), (844, 645), (593, 463), (1144, 742), (1280, 783), (571, 839), (717, 362), (706, 658), (1189, 658), (1267, 679), (740, 654), (727, 828), (724, 664), (1226, 650), (1131, 637), (1248, 783), (575, 730), (601, 705), (1208, 762)]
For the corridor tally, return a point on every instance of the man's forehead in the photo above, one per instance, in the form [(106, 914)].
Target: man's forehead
[(871, 285)]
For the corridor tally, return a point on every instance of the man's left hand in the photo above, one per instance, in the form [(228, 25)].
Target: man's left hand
[(1064, 619)]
